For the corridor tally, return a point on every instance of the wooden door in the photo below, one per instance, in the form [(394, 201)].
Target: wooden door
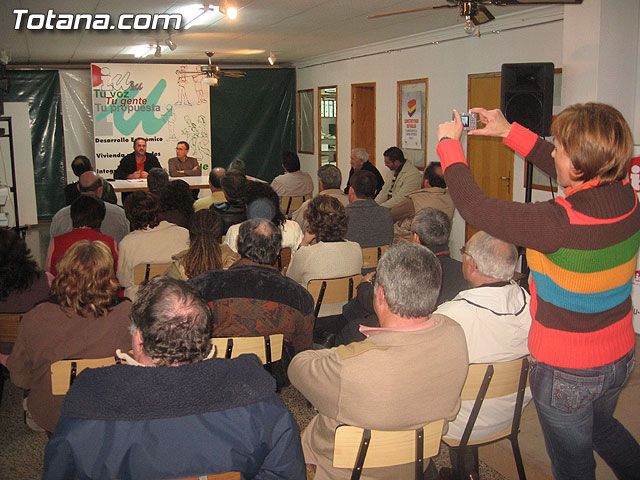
[(363, 118), (490, 161)]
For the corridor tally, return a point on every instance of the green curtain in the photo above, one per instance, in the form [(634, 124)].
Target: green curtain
[(41, 89), (254, 118)]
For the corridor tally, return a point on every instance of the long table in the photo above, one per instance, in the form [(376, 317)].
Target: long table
[(194, 182)]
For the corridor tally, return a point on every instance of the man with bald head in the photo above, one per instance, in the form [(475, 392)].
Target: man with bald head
[(115, 223)]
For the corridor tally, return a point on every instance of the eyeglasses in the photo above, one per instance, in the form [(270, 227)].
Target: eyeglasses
[(463, 251)]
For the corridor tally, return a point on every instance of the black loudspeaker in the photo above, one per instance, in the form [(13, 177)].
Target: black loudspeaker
[(527, 95)]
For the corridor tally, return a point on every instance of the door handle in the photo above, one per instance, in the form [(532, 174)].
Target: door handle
[(508, 180)]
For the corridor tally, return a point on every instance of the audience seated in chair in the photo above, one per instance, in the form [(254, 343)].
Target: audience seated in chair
[(294, 182), (431, 228), (115, 223), (407, 373), (85, 318), (174, 412), (176, 203), (205, 252), (263, 202), (369, 224), (217, 195), (495, 317), (433, 194), (233, 210), (360, 161), (329, 180), (331, 256), (87, 213), (22, 284), (152, 240), (80, 165), (253, 297)]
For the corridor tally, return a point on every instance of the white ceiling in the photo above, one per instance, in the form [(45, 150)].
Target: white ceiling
[(293, 29)]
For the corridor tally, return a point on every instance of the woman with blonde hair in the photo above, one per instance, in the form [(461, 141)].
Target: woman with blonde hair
[(205, 250), (84, 318)]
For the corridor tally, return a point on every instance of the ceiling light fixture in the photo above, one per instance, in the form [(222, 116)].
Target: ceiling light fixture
[(142, 51), (158, 53), (469, 27), (170, 43), (204, 10), (271, 58), (231, 12), (211, 81)]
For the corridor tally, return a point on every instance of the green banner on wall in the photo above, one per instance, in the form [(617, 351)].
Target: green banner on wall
[(254, 118), (41, 89)]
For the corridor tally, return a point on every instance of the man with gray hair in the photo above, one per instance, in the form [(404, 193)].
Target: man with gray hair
[(253, 298), (360, 161), (185, 413), (329, 180), (495, 317), (407, 373)]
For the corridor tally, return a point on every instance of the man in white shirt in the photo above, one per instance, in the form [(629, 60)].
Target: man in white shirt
[(495, 317)]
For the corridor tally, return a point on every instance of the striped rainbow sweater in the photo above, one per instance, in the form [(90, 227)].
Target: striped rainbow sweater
[(581, 250)]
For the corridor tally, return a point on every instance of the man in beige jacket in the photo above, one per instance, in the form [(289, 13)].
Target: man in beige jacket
[(407, 373)]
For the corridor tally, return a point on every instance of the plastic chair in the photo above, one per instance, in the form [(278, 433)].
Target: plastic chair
[(64, 372), (371, 256), (332, 290), (493, 380), (268, 348), (359, 448), (289, 204)]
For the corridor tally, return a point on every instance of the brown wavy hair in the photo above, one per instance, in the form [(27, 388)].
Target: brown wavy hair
[(327, 219), (141, 209), (86, 282), (597, 139), (205, 234)]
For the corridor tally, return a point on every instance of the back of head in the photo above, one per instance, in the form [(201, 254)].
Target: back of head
[(141, 209), (260, 241), (330, 176), (432, 226), (597, 139), (258, 190), (174, 322), (214, 177), (177, 196), (234, 185), (205, 234), (86, 282), (157, 180), (18, 270), (410, 276), (80, 165), (394, 153), (494, 258), (290, 161), (238, 166), (87, 211), (364, 184), (89, 183), (433, 174), (327, 218)]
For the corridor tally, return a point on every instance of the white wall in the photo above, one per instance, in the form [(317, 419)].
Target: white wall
[(447, 66)]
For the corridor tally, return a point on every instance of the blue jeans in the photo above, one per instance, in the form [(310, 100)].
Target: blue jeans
[(575, 408)]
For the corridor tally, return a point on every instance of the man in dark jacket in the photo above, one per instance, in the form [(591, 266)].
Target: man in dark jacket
[(189, 415), (138, 163)]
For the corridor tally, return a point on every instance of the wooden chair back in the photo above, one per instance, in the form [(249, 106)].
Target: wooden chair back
[(284, 259), (146, 271), (219, 476), (359, 448), (493, 380), (268, 348), (9, 324), (333, 290), (372, 255), (64, 372), (289, 204)]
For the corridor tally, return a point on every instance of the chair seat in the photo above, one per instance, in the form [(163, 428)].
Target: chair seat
[(452, 442)]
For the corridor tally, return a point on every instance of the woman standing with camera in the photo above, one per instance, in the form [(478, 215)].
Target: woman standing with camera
[(582, 253)]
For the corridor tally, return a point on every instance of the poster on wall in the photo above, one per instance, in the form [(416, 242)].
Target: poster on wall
[(634, 180), (163, 103), (411, 120)]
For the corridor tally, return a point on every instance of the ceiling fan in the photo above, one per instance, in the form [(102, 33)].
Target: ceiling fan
[(213, 72), (474, 11)]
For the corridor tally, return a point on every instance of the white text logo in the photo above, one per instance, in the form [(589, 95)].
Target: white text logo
[(97, 21)]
